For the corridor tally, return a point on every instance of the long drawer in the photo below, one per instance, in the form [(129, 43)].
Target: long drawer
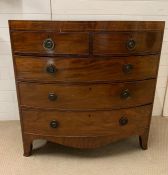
[(86, 69), (123, 43), (68, 123), (75, 96), (50, 43)]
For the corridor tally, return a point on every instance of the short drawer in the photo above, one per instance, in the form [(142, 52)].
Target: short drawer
[(125, 43), (93, 123), (50, 43), (86, 69), (86, 96)]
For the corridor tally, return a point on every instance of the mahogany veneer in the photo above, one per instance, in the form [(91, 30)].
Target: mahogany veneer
[(85, 84)]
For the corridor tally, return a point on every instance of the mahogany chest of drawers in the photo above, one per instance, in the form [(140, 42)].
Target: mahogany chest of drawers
[(85, 84)]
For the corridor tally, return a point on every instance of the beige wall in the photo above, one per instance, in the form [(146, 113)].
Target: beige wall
[(74, 10), (165, 108)]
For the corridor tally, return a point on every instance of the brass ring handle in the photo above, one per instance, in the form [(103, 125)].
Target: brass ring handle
[(48, 44)]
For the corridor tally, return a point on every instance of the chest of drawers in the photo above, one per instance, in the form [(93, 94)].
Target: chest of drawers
[(85, 84)]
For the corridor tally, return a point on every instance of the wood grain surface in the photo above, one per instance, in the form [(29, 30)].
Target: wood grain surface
[(92, 123), (86, 69), (64, 43), (83, 97), (115, 43)]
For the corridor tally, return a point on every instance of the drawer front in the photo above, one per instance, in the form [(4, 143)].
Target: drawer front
[(50, 43), (92, 123), (123, 43), (82, 96), (86, 69)]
